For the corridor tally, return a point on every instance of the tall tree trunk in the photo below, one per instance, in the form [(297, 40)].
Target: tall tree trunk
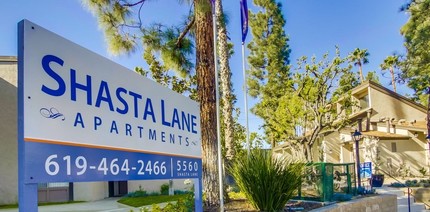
[(207, 98), (361, 72), (393, 81), (225, 79), (308, 151)]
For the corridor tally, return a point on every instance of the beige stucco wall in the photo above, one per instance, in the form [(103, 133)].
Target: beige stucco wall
[(389, 106), (411, 152), (155, 185), (8, 138), (90, 191), (380, 203), (332, 148), (408, 152)]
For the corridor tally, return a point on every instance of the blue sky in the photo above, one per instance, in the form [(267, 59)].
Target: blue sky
[(314, 27)]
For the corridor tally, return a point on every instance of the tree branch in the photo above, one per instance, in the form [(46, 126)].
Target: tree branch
[(134, 4), (183, 33)]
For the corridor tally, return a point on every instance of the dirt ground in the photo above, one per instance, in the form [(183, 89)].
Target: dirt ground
[(244, 206)]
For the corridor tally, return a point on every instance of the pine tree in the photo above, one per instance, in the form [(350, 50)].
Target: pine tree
[(269, 74), (416, 68), (123, 28)]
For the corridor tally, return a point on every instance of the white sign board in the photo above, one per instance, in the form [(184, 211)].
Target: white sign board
[(75, 101)]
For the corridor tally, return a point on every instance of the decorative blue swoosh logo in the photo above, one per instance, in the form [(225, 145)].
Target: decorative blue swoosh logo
[(51, 113)]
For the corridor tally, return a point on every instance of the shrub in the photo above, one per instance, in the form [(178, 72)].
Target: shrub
[(175, 192), (236, 195), (164, 190), (139, 193), (268, 182)]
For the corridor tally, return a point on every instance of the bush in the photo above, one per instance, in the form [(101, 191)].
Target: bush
[(267, 182), (175, 192), (397, 185), (164, 190), (236, 195), (141, 193)]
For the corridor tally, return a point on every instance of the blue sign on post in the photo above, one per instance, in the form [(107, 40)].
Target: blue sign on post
[(366, 170), (83, 118)]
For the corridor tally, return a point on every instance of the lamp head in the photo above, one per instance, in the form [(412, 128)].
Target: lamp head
[(356, 135)]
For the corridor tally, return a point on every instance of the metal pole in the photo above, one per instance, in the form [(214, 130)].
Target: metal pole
[(357, 159), (245, 91), (220, 170), (428, 122), (409, 200)]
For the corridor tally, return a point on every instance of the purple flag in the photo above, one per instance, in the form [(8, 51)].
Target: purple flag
[(213, 7), (244, 19)]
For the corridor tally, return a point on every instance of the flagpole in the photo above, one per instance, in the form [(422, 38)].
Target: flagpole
[(244, 23), (245, 91), (220, 169)]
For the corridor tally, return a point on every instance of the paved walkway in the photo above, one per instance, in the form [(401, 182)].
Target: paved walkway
[(110, 204), (402, 199)]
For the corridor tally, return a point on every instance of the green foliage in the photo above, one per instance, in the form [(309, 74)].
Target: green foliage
[(267, 181), (185, 204), (173, 47), (412, 183), (238, 136), (8, 206), (416, 69), (139, 193), (149, 200), (391, 63), (359, 57), (372, 76), (164, 189), (236, 195), (269, 75), (320, 102)]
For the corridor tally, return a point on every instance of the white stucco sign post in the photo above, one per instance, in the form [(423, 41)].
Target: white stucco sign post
[(83, 117)]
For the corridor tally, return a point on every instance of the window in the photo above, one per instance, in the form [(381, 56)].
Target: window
[(393, 147), (364, 102)]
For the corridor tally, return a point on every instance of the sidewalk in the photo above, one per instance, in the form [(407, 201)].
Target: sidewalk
[(402, 199)]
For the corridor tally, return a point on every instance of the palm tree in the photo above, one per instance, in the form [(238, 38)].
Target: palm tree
[(359, 57), (225, 80), (390, 63)]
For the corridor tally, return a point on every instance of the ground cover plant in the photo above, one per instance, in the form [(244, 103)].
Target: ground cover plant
[(150, 200)]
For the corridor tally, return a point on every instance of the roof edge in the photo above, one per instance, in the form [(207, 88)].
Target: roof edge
[(389, 92), (8, 59)]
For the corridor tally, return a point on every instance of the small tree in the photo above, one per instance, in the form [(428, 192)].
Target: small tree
[(321, 100)]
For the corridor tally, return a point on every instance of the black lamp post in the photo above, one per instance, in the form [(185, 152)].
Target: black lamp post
[(357, 137)]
